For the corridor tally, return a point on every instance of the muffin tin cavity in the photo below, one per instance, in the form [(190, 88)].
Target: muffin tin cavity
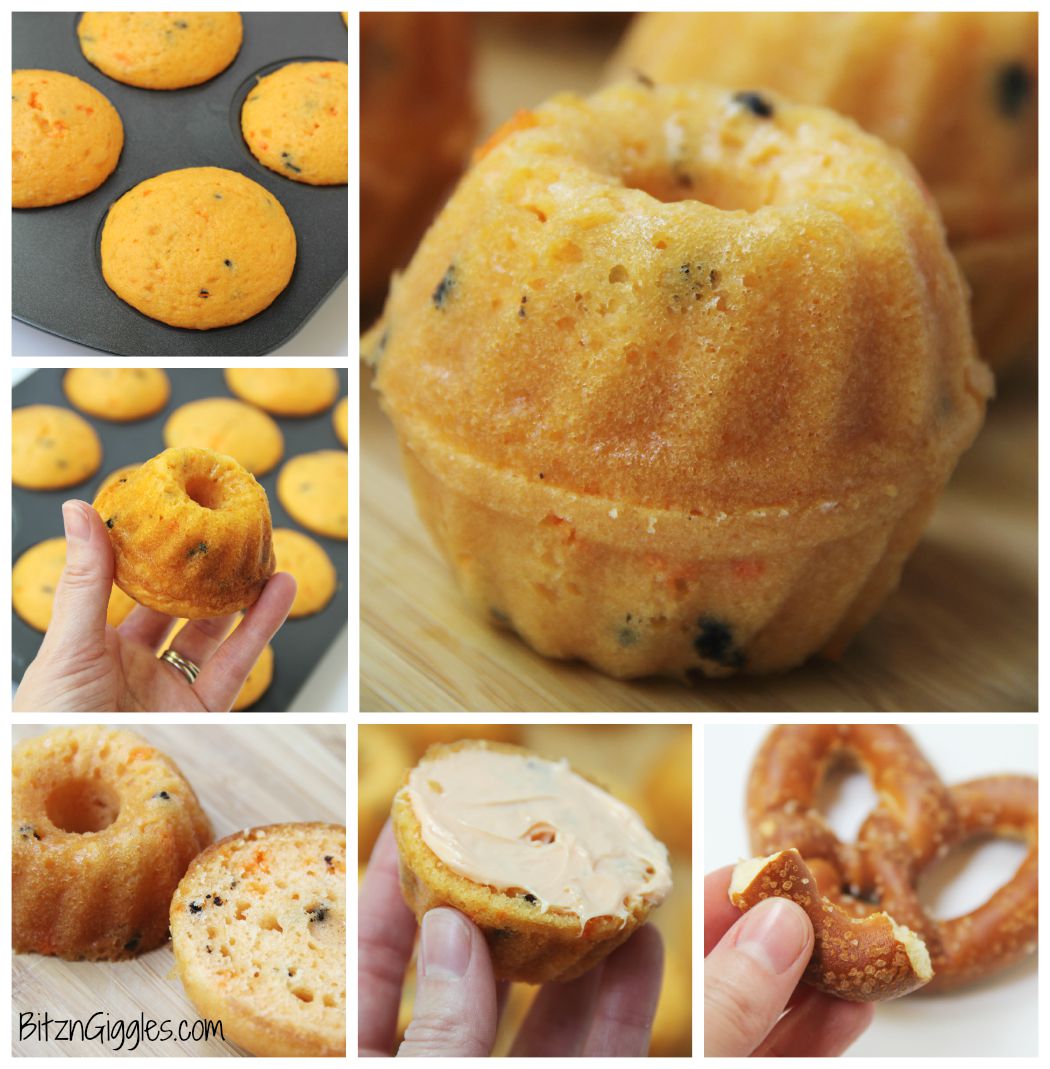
[(237, 102), (57, 284)]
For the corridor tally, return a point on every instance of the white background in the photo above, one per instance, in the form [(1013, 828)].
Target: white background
[(997, 1017)]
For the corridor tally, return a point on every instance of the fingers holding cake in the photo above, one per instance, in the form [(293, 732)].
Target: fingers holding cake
[(221, 677), (386, 936), (518, 869), (198, 640), (556, 872), (455, 1008)]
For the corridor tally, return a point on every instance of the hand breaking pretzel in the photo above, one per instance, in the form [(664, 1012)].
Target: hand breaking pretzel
[(874, 939)]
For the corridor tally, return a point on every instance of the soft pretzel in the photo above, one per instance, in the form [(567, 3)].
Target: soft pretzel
[(917, 820), (860, 959)]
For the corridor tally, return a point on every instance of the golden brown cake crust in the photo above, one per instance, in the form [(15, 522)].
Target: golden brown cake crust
[(66, 138), (115, 476), (199, 247), (160, 49), (34, 581), (340, 421), (103, 828), (295, 122), (309, 565), (228, 426), (954, 90), (191, 534), (117, 394), (285, 391), (674, 393), (52, 447), (313, 488), (524, 947)]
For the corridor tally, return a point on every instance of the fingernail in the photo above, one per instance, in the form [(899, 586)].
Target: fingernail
[(773, 934), (76, 523), (445, 945)]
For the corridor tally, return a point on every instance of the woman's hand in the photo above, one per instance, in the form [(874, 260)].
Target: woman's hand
[(86, 667), (607, 1012), (754, 1003)]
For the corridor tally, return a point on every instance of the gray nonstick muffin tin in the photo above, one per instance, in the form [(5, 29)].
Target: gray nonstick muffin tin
[(37, 514), (56, 274)]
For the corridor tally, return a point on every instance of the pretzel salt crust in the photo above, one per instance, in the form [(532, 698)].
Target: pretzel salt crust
[(917, 820), (860, 959)]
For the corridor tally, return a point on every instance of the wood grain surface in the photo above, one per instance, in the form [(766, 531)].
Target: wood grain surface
[(244, 775)]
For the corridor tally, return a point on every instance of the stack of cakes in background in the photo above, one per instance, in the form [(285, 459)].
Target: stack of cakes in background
[(955, 91), (648, 767), (417, 129)]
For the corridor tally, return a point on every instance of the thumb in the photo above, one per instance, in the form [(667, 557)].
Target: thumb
[(455, 1009), (750, 974), (78, 620)]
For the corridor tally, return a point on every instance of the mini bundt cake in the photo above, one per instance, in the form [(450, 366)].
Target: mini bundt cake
[(103, 827), (678, 375), (417, 128), (258, 926), (954, 90), (554, 871), (52, 448), (118, 394), (191, 533), (309, 565)]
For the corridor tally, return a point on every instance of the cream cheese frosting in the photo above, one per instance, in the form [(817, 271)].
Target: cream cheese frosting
[(518, 822)]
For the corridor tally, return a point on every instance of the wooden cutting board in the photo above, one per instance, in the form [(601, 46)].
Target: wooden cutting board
[(244, 776), (959, 635)]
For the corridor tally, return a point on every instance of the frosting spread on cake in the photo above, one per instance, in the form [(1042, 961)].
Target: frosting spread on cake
[(518, 822)]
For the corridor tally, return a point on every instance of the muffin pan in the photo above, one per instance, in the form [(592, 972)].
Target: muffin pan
[(35, 515), (57, 282)]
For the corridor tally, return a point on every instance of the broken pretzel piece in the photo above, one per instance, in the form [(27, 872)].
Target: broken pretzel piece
[(868, 959)]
